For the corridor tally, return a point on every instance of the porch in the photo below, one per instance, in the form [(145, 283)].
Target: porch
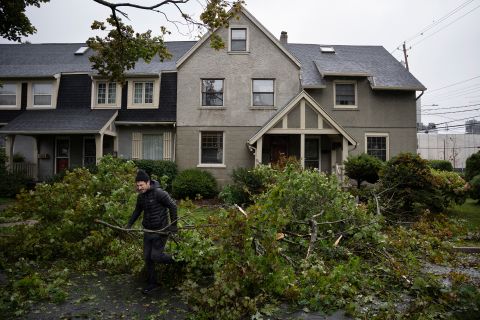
[(304, 130)]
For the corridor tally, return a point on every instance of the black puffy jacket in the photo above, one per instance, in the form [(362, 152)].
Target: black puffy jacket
[(156, 205)]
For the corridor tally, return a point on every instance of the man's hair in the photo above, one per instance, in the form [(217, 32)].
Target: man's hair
[(142, 176)]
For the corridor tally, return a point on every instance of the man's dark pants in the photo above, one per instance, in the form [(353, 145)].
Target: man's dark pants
[(153, 247)]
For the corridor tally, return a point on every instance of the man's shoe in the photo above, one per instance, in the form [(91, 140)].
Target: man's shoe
[(150, 288)]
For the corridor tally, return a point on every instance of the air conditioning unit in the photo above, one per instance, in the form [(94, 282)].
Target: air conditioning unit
[(43, 156)]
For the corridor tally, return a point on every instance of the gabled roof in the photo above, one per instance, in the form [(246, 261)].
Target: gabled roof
[(257, 24), (374, 62), (292, 104), (46, 60), (60, 122)]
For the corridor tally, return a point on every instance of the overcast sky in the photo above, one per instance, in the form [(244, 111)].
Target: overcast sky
[(446, 54)]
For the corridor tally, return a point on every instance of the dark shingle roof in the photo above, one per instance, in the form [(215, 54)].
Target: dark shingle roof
[(45, 60), (383, 70), (59, 121)]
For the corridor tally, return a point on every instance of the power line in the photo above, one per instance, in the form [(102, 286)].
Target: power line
[(416, 43), (449, 14), (457, 107), (453, 84), (458, 111)]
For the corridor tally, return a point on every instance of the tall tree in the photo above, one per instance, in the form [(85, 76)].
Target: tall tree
[(122, 47)]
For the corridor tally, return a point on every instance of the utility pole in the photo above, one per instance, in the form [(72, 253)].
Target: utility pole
[(405, 55)]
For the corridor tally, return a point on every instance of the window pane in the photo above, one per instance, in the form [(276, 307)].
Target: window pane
[(89, 152), (63, 145), (8, 100), (212, 147), (138, 92), (152, 146), (42, 100), (238, 45), (148, 92), (345, 94), (42, 88), (112, 93), (377, 147), (239, 34), (212, 92), (263, 99), (262, 85), (101, 93), (8, 88)]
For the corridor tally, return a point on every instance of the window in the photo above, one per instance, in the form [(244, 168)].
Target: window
[(345, 94), (143, 92), (211, 147), (42, 94), (106, 93), (152, 146), (238, 39), (263, 92), (212, 92), (8, 94), (377, 146), (62, 154)]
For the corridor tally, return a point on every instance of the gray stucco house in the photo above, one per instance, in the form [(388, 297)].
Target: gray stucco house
[(250, 103)]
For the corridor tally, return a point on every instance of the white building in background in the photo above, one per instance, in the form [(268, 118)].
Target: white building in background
[(455, 148)]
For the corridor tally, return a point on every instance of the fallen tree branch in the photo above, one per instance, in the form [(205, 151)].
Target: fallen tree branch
[(130, 230), (241, 210), (313, 237)]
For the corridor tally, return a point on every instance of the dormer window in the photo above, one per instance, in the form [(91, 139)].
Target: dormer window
[(106, 93), (8, 95), (345, 94), (42, 94), (143, 92), (238, 39)]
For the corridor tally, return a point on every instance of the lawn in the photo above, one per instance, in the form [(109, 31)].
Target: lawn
[(470, 212)]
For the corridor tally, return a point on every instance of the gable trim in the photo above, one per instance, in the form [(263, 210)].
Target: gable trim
[(302, 95), (257, 24)]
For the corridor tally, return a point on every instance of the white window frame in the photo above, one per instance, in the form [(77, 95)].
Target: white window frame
[(210, 165), (223, 94), (342, 106), (379, 135), (18, 90), (247, 40), (274, 95), (53, 95), (131, 92), (106, 105)]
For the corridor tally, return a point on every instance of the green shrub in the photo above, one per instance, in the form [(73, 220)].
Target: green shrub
[(246, 184), (363, 168), (443, 165), (12, 183), (159, 169), (406, 184), (475, 187), (472, 167), (194, 182), (450, 186)]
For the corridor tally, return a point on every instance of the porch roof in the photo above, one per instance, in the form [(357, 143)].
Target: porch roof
[(289, 106), (35, 122)]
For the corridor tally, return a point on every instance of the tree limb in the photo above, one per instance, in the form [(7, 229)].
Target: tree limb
[(313, 237)]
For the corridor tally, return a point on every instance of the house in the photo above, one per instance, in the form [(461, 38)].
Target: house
[(250, 103)]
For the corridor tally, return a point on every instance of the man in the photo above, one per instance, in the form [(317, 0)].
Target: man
[(156, 205)]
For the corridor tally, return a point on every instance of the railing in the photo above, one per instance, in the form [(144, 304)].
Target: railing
[(27, 169)]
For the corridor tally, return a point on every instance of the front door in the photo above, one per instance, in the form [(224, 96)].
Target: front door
[(62, 154), (312, 153)]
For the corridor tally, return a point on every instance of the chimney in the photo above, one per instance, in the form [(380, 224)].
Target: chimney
[(284, 38)]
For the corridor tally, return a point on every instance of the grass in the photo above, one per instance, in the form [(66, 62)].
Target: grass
[(470, 212)]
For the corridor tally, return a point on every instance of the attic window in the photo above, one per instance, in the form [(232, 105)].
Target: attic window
[(327, 49), (81, 51)]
